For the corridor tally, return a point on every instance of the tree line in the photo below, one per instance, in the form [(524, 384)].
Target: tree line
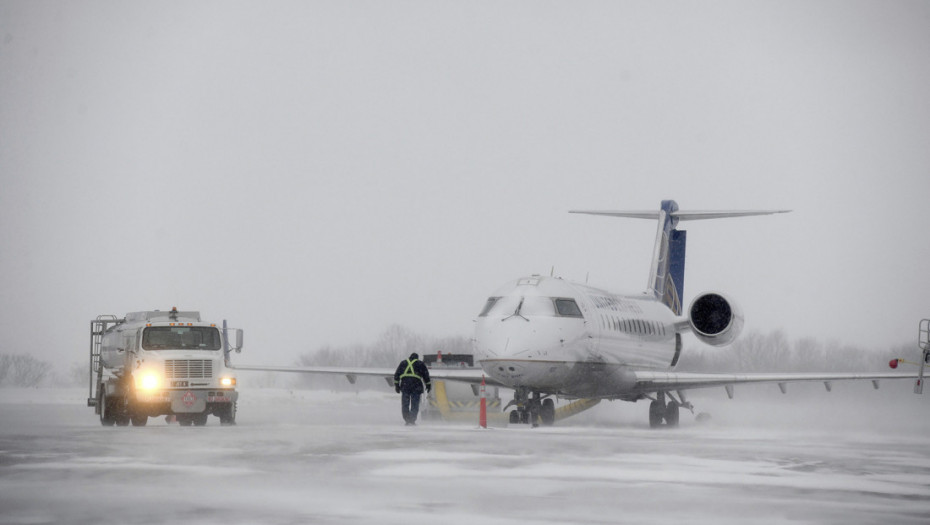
[(393, 345), (775, 352), (753, 352)]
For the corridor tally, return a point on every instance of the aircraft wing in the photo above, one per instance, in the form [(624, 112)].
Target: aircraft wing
[(465, 375), (666, 381)]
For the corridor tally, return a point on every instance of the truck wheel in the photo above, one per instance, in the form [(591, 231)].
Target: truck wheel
[(185, 420), (139, 420), (106, 413), (200, 419), (228, 415)]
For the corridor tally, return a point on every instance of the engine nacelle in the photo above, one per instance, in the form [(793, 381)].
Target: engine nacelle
[(715, 319)]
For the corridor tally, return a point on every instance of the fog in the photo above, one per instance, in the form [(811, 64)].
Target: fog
[(317, 171)]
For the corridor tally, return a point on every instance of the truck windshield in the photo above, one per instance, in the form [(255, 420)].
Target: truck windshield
[(181, 338)]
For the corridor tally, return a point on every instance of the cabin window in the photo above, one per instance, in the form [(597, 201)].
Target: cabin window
[(567, 308)]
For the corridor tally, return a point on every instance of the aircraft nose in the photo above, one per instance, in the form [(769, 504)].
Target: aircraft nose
[(516, 337)]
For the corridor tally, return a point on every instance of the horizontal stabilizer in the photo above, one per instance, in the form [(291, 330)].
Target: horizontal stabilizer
[(681, 215), (667, 272)]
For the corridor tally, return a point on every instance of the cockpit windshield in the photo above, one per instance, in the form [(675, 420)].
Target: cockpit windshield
[(530, 306), (181, 338), (488, 305), (538, 306)]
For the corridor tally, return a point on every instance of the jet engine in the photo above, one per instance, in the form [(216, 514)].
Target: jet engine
[(715, 319)]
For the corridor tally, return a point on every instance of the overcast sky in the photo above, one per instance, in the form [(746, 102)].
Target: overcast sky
[(317, 171)]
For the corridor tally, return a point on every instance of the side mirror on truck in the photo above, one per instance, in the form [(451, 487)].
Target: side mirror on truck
[(238, 340)]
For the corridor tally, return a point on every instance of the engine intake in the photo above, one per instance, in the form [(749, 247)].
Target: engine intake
[(715, 319)]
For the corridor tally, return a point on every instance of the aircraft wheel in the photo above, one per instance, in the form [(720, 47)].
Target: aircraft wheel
[(547, 412), (671, 414), (656, 414)]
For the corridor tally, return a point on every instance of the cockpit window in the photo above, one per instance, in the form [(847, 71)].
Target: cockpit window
[(501, 306), (488, 305), (567, 308), (530, 306), (538, 306)]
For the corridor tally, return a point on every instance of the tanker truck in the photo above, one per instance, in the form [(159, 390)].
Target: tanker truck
[(156, 363)]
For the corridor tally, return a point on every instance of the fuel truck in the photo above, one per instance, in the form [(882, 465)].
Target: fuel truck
[(156, 363)]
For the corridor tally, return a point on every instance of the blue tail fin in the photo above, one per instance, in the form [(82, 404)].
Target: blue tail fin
[(667, 274)]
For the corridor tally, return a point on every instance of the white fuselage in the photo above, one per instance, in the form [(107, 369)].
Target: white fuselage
[(554, 336)]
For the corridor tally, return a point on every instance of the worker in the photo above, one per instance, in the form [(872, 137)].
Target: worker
[(410, 379)]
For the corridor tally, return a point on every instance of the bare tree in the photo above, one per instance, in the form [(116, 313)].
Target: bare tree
[(774, 352), (394, 344), (22, 370), (6, 361)]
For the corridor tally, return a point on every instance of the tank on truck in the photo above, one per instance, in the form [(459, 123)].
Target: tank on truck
[(98, 327)]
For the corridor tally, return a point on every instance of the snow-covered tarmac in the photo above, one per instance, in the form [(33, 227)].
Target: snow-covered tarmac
[(320, 457)]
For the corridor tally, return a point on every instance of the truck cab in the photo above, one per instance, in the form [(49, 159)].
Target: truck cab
[(156, 363)]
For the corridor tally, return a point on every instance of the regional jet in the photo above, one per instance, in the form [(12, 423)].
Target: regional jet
[(546, 337)]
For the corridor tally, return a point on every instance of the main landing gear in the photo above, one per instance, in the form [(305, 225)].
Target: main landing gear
[(531, 409), (660, 410)]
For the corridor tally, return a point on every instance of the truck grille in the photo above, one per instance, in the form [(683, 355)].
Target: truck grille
[(189, 368)]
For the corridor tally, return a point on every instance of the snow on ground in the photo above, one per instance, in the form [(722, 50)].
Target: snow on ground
[(301, 456)]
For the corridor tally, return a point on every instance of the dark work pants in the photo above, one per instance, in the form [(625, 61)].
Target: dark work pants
[(409, 406)]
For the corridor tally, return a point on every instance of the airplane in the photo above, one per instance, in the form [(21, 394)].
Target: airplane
[(546, 337)]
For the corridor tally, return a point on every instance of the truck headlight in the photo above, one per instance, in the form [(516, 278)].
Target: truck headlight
[(228, 381), (150, 381)]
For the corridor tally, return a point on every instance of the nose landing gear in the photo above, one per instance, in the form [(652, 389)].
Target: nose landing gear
[(531, 409)]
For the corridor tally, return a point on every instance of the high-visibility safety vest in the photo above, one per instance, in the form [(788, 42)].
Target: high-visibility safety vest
[(408, 372)]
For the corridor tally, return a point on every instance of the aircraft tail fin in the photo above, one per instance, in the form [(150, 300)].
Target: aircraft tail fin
[(667, 273)]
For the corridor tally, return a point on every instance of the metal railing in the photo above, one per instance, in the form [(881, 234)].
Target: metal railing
[(923, 341), (98, 327)]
